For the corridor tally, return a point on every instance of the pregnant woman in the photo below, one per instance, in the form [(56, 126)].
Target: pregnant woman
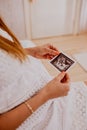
[(30, 99)]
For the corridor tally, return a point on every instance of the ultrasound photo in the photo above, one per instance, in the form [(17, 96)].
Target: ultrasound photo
[(62, 62)]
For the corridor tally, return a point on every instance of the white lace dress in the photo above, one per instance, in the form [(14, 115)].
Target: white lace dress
[(19, 81)]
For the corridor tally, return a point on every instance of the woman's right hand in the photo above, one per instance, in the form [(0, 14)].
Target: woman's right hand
[(57, 87)]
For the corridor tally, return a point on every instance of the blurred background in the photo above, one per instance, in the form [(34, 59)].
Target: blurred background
[(62, 23), (33, 19)]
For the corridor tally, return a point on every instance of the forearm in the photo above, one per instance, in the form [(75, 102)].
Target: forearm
[(12, 119), (30, 51)]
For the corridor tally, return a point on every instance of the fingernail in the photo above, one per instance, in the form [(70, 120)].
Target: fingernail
[(57, 52)]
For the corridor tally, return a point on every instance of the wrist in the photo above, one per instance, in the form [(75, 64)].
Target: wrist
[(37, 100), (29, 51), (44, 95)]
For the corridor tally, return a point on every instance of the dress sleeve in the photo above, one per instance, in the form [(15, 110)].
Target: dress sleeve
[(9, 79)]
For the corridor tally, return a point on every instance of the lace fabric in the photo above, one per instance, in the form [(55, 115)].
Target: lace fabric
[(19, 82), (79, 111)]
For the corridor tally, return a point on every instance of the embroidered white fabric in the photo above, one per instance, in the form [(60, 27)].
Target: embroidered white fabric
[(19, 81)]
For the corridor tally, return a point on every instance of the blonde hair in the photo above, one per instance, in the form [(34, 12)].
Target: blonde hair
[(12, 47)]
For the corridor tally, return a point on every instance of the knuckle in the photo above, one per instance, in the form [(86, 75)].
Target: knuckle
[(45, 49), (56, 78), (48, 44), (67, 88), (66, 93)]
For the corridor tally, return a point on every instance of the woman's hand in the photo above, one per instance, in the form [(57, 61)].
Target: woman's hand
[(46, 51), (85, 82), (58, 87)]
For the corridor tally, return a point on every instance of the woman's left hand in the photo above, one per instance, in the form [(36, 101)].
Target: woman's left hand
[(46, 51)]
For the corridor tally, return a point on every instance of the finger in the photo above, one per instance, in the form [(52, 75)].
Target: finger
[(66, 93), (52, 47), (52, 52), (85, 82), (47, 57), (66, 79), (61, 76), (67, 87), (50, 56)]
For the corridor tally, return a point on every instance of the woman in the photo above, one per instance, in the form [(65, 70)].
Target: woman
[(29, 97)]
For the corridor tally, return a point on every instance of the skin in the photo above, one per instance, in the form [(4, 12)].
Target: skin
[(85, 82), (46, 51), (57, 87), (53, 89)]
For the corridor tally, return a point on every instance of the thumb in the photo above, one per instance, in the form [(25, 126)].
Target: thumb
[(61, 76)]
